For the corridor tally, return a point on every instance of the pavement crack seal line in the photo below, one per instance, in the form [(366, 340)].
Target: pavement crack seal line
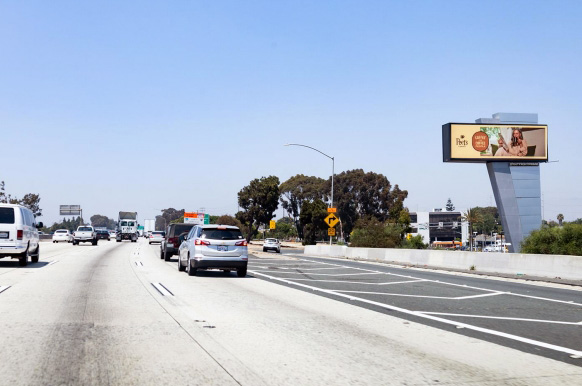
[(257, 380), (565, 350)]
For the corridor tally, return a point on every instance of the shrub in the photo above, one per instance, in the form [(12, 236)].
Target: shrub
[(371, 233), (566, 240), (415, 242)]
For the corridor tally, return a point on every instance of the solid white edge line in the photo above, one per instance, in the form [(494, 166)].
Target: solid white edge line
[(437, 319), (546, 299), (4, 288), (478, 296), (502, 318), (323, 274), (349, 282)]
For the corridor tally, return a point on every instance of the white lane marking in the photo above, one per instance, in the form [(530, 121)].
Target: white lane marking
[(503, 318), (391, 294), (138, 263), (354, 282), (53, 262), (4, 288), (161, 289), (478, 296), (435, 318), (462, 285), (323, 274), (295, 268), (570, 302)]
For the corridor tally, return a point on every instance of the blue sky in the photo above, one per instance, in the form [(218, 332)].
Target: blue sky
[(143, 105)]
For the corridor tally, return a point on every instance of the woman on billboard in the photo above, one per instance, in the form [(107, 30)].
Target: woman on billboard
[(517, 147)]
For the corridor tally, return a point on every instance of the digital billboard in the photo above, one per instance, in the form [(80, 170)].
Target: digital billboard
[(487, 142)]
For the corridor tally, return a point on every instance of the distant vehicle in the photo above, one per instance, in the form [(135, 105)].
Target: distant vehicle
[(214, 247), (62, 235), (156, 237), (103, 235), (127, 227), (85, 234), (149, 226), (18, 234), (272, 245), (175, 234)]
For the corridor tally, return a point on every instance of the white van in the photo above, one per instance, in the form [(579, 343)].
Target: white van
[(18, 234)]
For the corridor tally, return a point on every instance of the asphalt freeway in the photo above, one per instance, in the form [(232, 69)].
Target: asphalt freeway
[(116, 314), (539, 319)]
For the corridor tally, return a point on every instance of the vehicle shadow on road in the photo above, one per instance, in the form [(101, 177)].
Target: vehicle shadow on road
[(221, 274), (14, 264)]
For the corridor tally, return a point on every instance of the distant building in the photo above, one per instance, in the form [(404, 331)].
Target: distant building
[(439, 225)]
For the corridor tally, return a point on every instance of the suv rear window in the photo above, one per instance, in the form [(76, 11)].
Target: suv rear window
[(178, 229), (6, 215), (221, 234), (61, 231), (158, 233)]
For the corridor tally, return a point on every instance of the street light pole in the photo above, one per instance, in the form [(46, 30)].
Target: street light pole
[(332, 170)]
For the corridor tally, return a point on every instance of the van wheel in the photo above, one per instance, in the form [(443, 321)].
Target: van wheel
[(34, 258), (23, 259)]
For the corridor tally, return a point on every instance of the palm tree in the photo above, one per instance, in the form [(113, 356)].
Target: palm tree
[(472, 217), (560, 218)]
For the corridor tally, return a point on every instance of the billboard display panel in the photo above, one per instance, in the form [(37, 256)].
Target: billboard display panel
[(487, 142)]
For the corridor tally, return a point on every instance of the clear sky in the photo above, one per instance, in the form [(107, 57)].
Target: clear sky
[(145, 105)]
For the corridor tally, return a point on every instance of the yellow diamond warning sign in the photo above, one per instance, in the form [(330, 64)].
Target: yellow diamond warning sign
[(331, 220)]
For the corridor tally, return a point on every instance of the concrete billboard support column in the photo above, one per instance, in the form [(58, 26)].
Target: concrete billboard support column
[(516, 187), (517, 191)]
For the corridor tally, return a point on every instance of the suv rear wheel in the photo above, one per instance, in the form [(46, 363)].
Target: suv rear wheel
[(181, 268), (241, 272), (191, 270)]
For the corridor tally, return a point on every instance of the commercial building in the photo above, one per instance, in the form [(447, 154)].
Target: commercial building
[(439, 225)]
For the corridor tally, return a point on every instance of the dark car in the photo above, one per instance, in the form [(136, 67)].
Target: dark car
[(101, 234), (175, 234)]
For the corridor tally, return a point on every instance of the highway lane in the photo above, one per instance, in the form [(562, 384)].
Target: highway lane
[(117, 314)]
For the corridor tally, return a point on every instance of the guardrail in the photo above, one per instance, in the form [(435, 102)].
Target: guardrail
[(551, 266)]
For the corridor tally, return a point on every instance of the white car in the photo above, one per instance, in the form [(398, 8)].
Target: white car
[(214, 247), (156, 237), (62, 235), (272, 245), (19, 234)]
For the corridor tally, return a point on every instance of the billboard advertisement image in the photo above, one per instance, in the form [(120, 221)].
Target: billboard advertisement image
[(480, 142)]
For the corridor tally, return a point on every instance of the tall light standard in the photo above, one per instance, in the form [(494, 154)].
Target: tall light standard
[(332, 170)]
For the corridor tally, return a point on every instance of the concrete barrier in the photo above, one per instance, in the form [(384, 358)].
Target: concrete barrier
[(551, 266)]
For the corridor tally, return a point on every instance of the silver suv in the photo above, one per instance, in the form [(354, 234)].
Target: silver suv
[(18, 234), (272, 245), (214, 247)]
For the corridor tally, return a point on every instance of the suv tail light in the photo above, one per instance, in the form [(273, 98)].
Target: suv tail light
[(201, 242), (241, 243), (173, 240), (19, 234)]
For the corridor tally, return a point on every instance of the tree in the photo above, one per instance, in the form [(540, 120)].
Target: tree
[(226, 219), (560, 218), (168, 216), (258, 201), (450, 207), (296, 190), (472, 217), (100, 221), (565, 240), (358, 194), (312, 219), (284, 229), (30, 200)]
